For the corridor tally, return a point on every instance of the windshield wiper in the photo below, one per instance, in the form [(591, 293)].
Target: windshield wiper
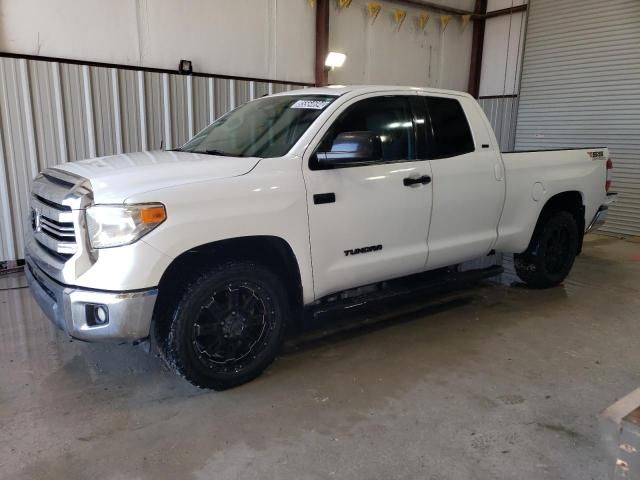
[(218, 152)]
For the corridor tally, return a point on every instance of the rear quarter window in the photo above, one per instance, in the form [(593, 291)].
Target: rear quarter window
[(450, 132)]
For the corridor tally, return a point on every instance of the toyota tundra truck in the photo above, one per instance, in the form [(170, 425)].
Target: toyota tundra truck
[(300, 201)]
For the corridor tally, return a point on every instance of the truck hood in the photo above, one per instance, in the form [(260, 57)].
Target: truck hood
[(117, 177)]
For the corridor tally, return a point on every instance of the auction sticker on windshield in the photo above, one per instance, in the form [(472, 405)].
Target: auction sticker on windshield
[(311, 104)]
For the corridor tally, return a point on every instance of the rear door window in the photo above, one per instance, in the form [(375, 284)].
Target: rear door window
[(449, 133)]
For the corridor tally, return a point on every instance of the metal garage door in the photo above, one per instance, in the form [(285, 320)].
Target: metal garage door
[(581, 87)]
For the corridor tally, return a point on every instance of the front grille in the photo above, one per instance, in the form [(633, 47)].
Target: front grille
[(58, 181), (60, 231), (61, 257), (57, 206), (52, 218)]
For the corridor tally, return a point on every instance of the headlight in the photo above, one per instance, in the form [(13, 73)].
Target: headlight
[(116, 225)]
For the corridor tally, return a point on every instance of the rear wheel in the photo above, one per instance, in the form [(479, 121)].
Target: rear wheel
[(228, 326), (551, 253)]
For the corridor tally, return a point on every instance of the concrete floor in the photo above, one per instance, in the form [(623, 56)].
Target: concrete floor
[(500, 383)]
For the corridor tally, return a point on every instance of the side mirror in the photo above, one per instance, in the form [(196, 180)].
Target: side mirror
[(352, 148)]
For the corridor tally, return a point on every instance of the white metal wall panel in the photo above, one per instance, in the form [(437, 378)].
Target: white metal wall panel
[(242, 91), (179, 110), (154, 110), (501, 112), (581, 88), (102, 101), (53, 112), (74, 111), (48, 116), (222, 94), (18, 145), (502, 54), (201, 103), (262, 89), (130, 119)]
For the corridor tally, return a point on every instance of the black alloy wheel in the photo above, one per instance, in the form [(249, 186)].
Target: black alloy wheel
[(551, 253), (228, 326)]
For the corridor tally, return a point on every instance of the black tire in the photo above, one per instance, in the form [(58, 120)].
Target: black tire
[(228, 326), (551, 253)]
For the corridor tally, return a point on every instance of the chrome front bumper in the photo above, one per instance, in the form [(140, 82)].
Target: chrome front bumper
[(70, 308), (600, 217)]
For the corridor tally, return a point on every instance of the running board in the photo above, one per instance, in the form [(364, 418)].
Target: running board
[(424, 283)]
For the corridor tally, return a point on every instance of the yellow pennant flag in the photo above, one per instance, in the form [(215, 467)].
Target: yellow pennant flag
[(423, 19), (444, 21), (465, 21), (344, 3), (399, 15), (374, 9)]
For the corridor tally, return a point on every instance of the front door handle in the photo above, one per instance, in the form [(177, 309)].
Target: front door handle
[(409, 181)]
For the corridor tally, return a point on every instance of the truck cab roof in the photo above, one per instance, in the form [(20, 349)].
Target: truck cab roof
[(339, 90)]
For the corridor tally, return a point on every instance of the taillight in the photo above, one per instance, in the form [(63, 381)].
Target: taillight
[(607, 184)]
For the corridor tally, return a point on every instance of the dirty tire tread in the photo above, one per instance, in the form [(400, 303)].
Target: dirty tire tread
[(530, 266), (174, 349)]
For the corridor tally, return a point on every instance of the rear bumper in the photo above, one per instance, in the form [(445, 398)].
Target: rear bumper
[(71, 308), (600, 217)]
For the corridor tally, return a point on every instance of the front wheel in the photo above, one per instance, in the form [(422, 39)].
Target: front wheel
[(551, 253), (228, 326)]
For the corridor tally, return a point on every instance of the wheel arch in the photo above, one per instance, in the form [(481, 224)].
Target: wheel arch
[(571, 201), (271, 251)]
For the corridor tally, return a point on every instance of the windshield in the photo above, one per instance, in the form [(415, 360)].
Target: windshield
[(267, 127)]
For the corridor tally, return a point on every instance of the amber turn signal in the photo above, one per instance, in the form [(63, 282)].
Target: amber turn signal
[(152, 215)]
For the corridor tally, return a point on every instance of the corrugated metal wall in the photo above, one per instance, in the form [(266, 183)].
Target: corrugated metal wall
[(501, 112), (54, 112), (581, 88)]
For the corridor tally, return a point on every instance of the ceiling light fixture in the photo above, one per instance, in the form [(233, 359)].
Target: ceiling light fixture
[(335, 60)]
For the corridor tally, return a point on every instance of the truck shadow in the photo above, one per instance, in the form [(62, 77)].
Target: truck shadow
[(503, 295)]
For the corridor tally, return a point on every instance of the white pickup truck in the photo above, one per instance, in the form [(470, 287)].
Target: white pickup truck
[(291, 203)]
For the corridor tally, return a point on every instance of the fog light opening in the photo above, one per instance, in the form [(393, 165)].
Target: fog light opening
[(97, 315)]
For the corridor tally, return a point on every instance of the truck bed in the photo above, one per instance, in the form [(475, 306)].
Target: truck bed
[(532, 177)]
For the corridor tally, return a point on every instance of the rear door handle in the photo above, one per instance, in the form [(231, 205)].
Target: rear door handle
[(322, 198), (409, 181)]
